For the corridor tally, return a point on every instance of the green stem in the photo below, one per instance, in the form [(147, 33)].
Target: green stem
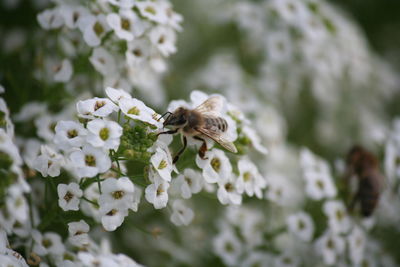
[(90, 201), (98, 182)]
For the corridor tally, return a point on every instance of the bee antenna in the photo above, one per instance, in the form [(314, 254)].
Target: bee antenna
[(163, 115)]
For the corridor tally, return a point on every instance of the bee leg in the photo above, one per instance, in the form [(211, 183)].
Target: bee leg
[(180, 151), (168, 132), (203, 148)]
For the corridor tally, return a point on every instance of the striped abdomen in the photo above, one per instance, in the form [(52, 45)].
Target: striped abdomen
[(216, 124), (368, 194)]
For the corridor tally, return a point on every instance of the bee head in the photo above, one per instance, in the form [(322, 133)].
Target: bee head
[(177, 119)]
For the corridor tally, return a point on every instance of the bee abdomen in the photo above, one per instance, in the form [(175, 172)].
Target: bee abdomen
[(369, 196), (218, 123)]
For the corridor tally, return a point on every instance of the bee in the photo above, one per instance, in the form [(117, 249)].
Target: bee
[(202, 122), (365, 167)]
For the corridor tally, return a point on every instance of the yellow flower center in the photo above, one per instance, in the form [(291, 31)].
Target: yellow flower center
[(134, 111), (90, 160), (118, 194), (216, 164), (104, 134), (163, 164), (98, 28), (72, 133)]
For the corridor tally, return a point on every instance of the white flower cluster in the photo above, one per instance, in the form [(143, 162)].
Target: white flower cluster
[(19, 217), (322, 233), (125, 41)]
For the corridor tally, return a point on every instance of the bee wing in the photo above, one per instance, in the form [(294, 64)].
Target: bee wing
[(212, 106), (216, 135)]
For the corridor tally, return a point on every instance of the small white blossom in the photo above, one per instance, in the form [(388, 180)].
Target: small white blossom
[(48, 243), (95, 107), (117, 94), (255, 139), (117, 193), (188, 183), (163, 38), (357, 243), (126, 25), (69, 134), (103, 62), (68, 196), (63, 71), (250, 180), (90, 161), (105, 134), (126, 4), (50, 19), (94, 28), (112, 217), (49, 162), (301, 225), (227, 246), (227, 191), (78, 233), (153, 11), (181, 214), (330, 246), (157, 192), (137, 110), (215, 167), (339, 221), (73, 14), (162, 163)]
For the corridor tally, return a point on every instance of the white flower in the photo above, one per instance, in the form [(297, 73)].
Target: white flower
[(112, 217), (357, 242), (117, 193), (163, 38), (94, 28), (157, 192), (215, 167), (117, 94), (48, 243), (227, 246), (68, 196), (138, 52), (105, 134), (103, 62), (339, 221), (17, 204), (90, 161), (69, 134), (181, 214), (330, 246), (95, 107), (319, 186), (301, 225), (162, 163), (63, 71), (45, 126), (250, 180), (78, 233), (126, 25), (137, 110), (73, 14), (227, 191), (153, 11), (255, 139), (188, 183), (49, 162), (125, 4), (50, 19)]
